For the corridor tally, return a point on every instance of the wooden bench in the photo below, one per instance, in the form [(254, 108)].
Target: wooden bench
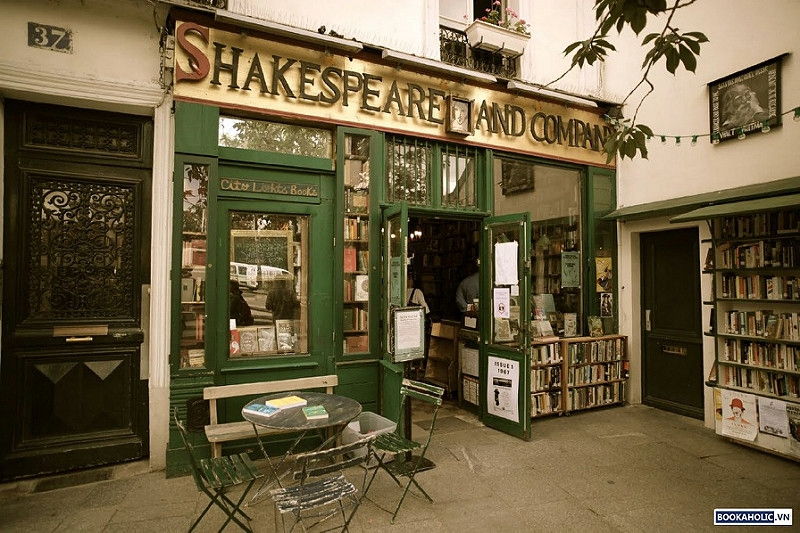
[(217, 433)]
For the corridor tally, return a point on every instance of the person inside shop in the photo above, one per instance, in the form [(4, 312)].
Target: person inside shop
[(468, 289), (239, 309), (282, 301)]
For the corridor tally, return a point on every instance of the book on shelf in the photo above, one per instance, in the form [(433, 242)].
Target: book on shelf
[(709, 263), (361, 288), (350, 254), (315, 412), (542, 330), (261, 409), (570, 324), (187, 289), (197, 357), (286, 402), (356, 343)]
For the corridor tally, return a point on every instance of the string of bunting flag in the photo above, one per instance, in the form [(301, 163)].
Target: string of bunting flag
[(715, 138)]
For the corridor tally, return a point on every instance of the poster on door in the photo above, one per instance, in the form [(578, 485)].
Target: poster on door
[(502, 391)]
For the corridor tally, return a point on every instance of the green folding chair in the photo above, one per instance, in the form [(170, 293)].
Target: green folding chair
[(397, 445), (213, 476), (319, 495)]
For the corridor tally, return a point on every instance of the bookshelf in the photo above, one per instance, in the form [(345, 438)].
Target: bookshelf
[(194, 253), (756, 304), (356, 231), (577, 373)]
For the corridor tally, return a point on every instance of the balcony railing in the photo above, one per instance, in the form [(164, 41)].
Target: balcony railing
[(455, 50)]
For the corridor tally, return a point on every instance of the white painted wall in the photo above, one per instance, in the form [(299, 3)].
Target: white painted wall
[(412, 26), (742, 34), (748, 34), (115, 65), (114, 42)]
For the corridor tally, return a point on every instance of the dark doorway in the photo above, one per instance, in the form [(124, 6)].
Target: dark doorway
[(77, 186), (672, 344)]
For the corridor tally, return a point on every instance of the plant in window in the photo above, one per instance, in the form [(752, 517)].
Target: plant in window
[(510, 21)]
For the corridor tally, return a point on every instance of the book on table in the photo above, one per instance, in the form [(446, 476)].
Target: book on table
[(261, 409), (315, 412), (286, 402)]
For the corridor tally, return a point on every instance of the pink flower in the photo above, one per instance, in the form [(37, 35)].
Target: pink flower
[(522, 21), (496, 3), (487, 9)]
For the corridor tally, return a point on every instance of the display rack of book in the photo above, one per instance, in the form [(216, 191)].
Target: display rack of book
[(546, 378), (577, 373), (597, 371), (193, 265), (756, 265), (355, 312)]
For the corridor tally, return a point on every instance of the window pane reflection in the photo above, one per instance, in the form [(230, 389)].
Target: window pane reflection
[(268, 285)]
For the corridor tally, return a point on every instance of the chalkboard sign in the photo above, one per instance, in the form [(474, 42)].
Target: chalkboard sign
[(262, 247)]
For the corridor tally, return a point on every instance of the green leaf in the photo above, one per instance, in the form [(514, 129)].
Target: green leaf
[(700, 37), (694, 45), (688, 59), (649, 37), (645, 129), (639, 22), (629, 148), (605, 44), (672, 60), (572, 47), (620, 25)]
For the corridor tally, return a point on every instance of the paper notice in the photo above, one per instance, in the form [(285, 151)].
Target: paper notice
[(505, 263), (502, 303), (502, 390), (408, 328), (772, 417)]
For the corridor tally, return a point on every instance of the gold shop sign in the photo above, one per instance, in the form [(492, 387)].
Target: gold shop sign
[(269, 187), (242, 72)]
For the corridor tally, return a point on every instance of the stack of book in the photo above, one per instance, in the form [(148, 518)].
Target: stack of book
[(272, 407)]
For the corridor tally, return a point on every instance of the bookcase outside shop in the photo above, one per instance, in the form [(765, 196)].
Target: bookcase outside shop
[(755, 264), (573, 374)]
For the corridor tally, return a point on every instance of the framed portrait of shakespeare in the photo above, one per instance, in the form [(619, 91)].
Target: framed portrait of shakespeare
[(747, 101), (459, 115)]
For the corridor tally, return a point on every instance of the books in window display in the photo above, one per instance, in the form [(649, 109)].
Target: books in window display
[(266, 339), (286, 335), (248, 340)]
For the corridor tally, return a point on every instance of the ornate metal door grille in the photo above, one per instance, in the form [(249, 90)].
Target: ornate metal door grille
[(81, 250)]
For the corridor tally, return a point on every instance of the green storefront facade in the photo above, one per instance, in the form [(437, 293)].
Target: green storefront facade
[(306, 203)]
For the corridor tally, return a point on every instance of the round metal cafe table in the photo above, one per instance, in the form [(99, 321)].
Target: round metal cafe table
[(341, 411)]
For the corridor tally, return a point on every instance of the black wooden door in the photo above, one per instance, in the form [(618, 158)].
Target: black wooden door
[(76, 255), (671, 322)]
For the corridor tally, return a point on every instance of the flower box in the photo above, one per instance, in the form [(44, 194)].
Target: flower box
[(493, 38)]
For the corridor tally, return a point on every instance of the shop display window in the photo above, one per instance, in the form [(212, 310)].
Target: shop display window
[(194, 244), (355, 312), (268, 284), (250, 134), (552, 196)]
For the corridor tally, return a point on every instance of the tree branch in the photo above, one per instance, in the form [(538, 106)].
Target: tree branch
[(572, 66)]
